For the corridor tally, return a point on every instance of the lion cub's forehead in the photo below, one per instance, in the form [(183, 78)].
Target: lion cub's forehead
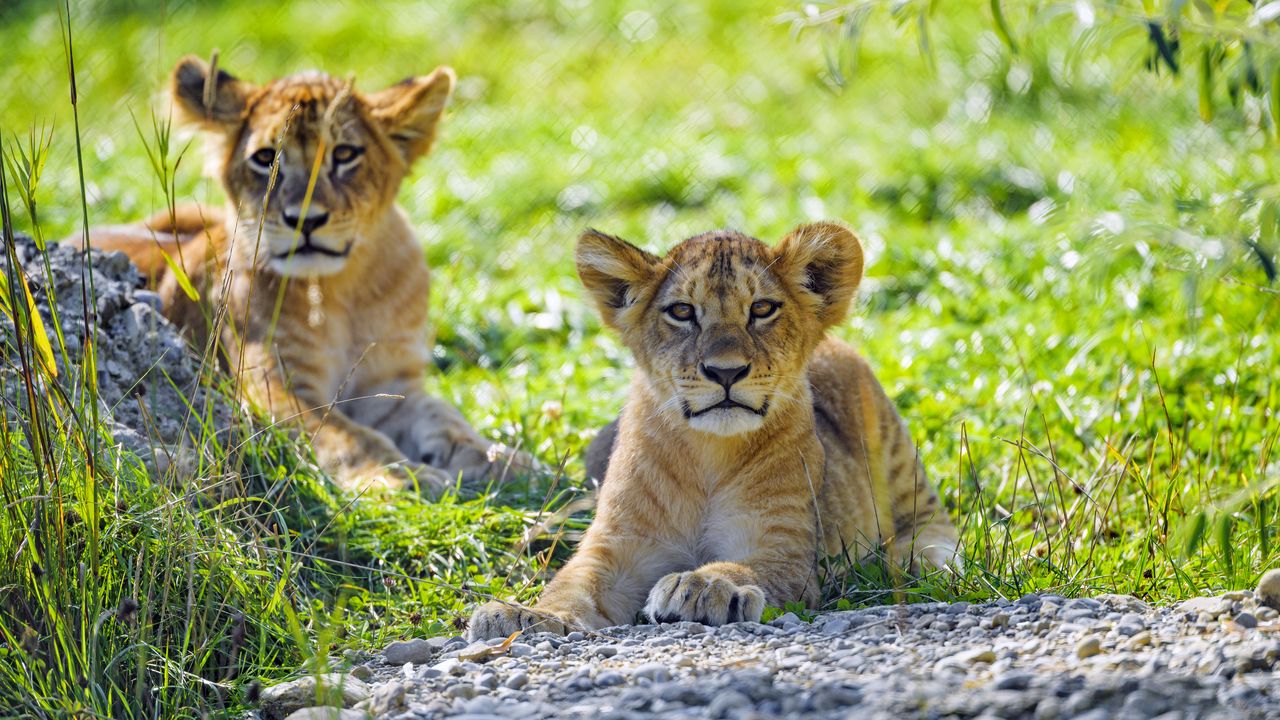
[(720, 263), (311, 93)]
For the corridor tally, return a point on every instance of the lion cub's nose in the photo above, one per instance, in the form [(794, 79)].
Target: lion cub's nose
[(315, 218), (726, 376)]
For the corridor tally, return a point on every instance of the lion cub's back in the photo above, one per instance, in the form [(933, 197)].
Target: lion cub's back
[(872, 467)]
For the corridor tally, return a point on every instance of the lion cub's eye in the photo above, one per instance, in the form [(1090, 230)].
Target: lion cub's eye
[(346, 153), (762, 309), (263, 158), (682, 312)]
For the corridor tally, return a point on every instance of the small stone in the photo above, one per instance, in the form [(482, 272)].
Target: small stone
[(609, 678), (1088, 647), (575, 636), (460, 691), (1131, 624), (606, 651), (1268, 591), (416, 651), (835, 627), (1140, 640), (1246, 620), (518, 679), (1013, 680), (449, 667), (487, 682), (387, 698), (974, 656), (724, 703), (786, 620), (520, 650), (326, 713), (656, 672)]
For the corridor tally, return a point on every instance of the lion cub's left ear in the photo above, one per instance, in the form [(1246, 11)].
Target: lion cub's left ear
[(826, 260), (410, 110)]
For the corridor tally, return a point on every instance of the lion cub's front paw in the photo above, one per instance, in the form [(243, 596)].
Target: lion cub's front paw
[(702, 598), (499, 619), (432, 482)]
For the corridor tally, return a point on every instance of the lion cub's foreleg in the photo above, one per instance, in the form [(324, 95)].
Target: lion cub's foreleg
[(759, 537), (356, 455), (669, 549), (603, 584)]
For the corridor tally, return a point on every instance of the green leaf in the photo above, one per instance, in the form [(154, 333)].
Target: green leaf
[(180, 275), (39, 338), (1196, 537), (1206, 85), (1002, 27)]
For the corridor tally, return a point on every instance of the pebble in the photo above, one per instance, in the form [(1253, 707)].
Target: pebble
[(416, 651), (1268, 590), (1088, 647), (1246, 620), (986, 660), (654, 671)]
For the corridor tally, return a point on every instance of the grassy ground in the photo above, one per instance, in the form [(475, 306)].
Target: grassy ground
[(1059, 297)]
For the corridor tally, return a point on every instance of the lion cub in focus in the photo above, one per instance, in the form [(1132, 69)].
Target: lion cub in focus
[(750, 443)]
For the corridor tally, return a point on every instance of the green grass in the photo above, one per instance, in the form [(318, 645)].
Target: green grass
[(1059, 296)]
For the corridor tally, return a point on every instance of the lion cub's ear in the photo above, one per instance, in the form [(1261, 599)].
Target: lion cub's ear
[(614, 271), (410, 110), (826, 260), (212, 102)]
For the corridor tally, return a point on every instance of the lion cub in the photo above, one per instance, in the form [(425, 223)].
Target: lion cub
[(750, 443), (311, 274)]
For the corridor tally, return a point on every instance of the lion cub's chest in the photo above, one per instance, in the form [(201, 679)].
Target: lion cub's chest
[(721, 525)]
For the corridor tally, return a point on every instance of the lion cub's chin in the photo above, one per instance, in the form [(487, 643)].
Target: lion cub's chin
[(306, 265), (727, 422)]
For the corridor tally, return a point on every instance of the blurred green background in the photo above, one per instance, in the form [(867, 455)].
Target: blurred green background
[(1068, 288)]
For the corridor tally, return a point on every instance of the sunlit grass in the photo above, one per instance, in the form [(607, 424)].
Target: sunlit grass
[(1067, 296)]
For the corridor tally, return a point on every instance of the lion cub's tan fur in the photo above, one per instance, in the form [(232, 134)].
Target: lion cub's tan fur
[(348, 353), (749, 445)]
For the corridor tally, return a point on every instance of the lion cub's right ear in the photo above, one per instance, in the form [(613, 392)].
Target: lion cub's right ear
[(213, 102), (615, 272)]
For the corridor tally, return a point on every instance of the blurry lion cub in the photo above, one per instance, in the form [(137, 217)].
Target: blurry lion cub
[(749, 445), (312, 274)]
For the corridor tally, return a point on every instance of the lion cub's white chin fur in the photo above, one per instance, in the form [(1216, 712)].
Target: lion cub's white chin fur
[(727, 422), (306, 266)]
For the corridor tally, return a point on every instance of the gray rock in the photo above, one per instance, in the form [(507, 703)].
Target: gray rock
[(416, 651), (518, 680), (657, 672), (326, 713), (280, 701), (148, 378), (1268, 590), (387, 699), (725, 702), (609, 678), (785, 620), (1088, 647)]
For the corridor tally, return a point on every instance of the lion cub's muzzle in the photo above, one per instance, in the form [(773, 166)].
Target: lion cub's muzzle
[(735, 411), (300, 248)]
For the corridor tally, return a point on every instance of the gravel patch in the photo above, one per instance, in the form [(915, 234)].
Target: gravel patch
[(1041, 657), (148, 379)]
